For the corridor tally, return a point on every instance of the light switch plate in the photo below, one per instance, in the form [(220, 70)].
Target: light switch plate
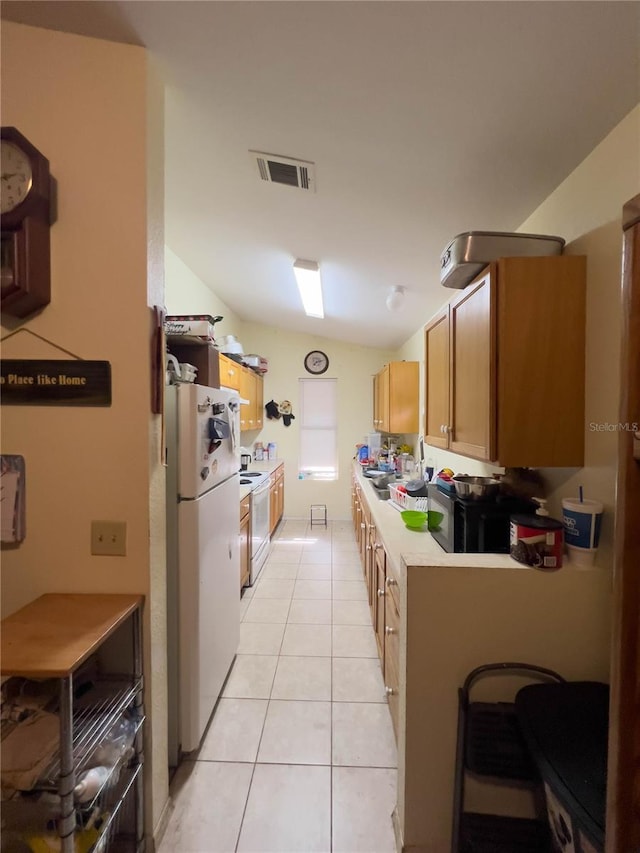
[(109, 538)]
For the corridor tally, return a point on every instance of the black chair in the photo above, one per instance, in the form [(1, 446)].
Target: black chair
[(490, 744)]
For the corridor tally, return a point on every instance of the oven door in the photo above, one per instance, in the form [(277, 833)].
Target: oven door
[(439, 502), (259, 528)]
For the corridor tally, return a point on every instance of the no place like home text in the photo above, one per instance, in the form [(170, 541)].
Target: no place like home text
[(42, 379)]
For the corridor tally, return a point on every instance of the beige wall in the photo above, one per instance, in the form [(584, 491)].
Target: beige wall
[(353, 367), (586, 210), (84, 104)]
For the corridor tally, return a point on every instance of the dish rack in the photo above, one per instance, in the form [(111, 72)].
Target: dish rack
[(401, 500)]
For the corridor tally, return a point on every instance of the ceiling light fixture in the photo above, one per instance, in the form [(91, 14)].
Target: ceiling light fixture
[(308, 278), (395, 299)]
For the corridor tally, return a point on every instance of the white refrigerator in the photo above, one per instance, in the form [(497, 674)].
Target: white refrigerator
[(203, 557)]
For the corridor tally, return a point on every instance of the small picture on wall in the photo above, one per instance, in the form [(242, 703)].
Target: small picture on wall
[(12, 498)]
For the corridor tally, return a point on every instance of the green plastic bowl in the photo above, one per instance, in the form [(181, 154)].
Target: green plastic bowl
[(413, 518)]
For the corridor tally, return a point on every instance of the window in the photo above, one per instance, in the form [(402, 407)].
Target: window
[(318, 429)]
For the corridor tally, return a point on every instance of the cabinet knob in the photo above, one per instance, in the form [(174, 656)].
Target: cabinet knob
[(391, 582), (377, 545), (389, 690), (380, 593), (389, 630), (368, 547), (362, 525)]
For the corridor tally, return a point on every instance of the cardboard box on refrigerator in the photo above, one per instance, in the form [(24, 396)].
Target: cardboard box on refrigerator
[(203, 356)]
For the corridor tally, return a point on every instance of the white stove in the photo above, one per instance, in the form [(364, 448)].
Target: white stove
[(260, 485), (252, 478)]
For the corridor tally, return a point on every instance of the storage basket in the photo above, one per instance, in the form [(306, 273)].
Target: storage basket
[(401, 500)]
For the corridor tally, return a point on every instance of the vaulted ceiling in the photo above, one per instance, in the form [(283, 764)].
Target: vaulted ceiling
[(423, 120)]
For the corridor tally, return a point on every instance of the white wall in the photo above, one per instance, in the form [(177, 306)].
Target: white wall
[(84, 104), (586, 210), (187, 294)]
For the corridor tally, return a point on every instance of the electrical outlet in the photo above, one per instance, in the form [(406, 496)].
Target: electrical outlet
[(109, 538)]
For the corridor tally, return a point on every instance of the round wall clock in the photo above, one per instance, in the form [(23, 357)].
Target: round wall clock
[(316, 362), (25, 215)]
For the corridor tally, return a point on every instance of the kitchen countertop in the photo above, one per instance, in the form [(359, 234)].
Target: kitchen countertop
[(406, 547), (266, 467)]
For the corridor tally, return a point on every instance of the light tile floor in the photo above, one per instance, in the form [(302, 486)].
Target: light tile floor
[(300, 753)]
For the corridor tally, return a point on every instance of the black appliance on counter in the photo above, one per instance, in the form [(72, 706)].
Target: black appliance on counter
[(474, 526)]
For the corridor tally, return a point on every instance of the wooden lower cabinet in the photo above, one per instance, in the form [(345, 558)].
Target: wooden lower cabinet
[(392, 649), (365, 547), (245, 538), (382, 593), (379, 599), (276, 498)]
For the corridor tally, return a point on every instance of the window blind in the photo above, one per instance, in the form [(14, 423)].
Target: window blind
[(318, 457)]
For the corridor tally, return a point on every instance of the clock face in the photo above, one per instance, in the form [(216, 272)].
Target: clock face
[(16, 179), (316, 362)]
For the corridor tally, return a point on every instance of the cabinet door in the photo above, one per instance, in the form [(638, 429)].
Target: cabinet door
[(280, 495), (370, 568), (436, 347), (392, 652), (541, 321), (259, 390), (403, 393), (383, 399), (244, 549), (380, 596), (365, 521), (377, 422), (229, 373), (247, 410), (472, 324), (273, 504), (357, 516)]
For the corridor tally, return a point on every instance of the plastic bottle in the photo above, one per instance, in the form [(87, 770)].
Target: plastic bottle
[(90, 783)]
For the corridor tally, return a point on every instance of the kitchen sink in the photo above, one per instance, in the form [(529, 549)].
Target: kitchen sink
[(383, 494)]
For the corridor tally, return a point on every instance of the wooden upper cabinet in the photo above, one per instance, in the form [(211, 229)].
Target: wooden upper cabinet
[(251, 390), (259, 401), (516, 342), (395, 397), (230, 372), (471, 424), (247, 392), (436, 347)]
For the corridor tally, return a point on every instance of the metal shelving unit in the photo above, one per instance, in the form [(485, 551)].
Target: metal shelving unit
[(51, 638)]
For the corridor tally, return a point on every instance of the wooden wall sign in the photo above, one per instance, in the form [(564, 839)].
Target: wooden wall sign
[(36, 382)]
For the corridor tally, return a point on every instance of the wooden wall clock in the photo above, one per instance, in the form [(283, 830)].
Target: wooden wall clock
[(25, 216)]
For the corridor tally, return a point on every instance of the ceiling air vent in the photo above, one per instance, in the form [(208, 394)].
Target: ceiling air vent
[(285, 170)]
